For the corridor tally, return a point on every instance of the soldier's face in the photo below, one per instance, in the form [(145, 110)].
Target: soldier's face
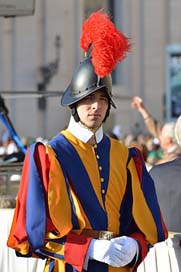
[(92, 109)]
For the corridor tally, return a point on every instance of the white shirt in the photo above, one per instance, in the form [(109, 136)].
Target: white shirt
[(83, 133)]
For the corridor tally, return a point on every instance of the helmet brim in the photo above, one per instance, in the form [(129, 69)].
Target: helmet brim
[(67, 99)]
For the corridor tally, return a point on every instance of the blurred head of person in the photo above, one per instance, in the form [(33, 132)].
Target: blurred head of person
[(178, 130), (167, 136)]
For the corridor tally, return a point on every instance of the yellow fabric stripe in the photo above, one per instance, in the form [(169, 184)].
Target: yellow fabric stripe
[(116, 188), (141, 211), (86, 158), (46, 268), (58, 199), (53, 247), (83, 221), (22, 248), (119, 269), (60, 211), (59, 266)]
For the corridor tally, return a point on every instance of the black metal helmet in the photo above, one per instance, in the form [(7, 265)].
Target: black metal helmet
[(84, 82)]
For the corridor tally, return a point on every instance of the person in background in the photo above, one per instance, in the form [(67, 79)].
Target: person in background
[(168, 143), (168, 186), (115, 133), (152, 124), (165, 134), (86, 202), (154, 151)]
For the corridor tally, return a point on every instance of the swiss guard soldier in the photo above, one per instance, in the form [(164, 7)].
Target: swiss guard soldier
[(85, 201)]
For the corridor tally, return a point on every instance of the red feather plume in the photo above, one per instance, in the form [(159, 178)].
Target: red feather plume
[(109, 45)]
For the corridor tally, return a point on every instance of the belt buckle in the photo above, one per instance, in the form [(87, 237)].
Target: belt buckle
[(106, 235)]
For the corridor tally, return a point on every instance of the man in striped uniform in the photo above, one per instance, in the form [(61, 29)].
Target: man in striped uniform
[(85, 201)]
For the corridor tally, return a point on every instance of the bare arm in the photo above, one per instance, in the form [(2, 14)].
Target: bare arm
[(152, 125)]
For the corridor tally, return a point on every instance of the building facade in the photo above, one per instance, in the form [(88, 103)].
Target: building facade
[(28, 43)]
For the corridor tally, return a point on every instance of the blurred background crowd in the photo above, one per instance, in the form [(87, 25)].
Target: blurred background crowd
[(157, 142)]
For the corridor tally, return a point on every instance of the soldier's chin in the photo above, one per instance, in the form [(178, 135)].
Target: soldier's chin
[(94, 125)]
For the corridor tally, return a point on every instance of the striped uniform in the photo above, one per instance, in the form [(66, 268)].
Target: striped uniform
[(68, 186)]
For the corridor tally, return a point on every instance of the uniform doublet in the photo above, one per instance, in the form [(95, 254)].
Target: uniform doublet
[(69, 186)]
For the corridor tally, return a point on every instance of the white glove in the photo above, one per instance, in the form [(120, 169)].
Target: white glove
[(116, 252), (128, 249)]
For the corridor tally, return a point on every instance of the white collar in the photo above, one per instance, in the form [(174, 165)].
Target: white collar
[(82, 133)]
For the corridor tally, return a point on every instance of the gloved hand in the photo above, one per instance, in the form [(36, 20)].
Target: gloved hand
[(128, 249), (116, 252)]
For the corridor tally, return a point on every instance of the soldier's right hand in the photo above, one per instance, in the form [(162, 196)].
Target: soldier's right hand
[(106, 251)]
